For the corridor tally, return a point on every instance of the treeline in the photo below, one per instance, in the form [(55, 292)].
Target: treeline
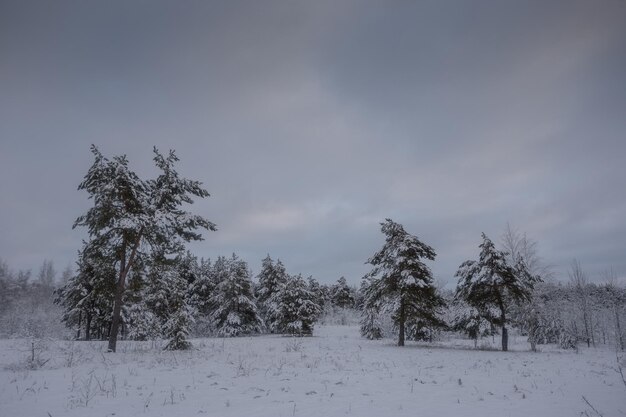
[(500, 289), (175, 298), (134, 278), (197, 297), (555, 315), (171, 299), (26, 302)]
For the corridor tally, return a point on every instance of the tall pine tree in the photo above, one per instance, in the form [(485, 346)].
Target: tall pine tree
[(401, 283), (270, 279), (491, 283), (234, 308), (135, 217)]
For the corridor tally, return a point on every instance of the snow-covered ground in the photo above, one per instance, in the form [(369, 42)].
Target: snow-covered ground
[(333, 373)]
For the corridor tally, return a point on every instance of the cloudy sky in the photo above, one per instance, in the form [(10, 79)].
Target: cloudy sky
[(311, 122)]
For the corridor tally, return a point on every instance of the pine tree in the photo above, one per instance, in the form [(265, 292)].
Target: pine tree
[(271, 277), (292, 308), (234, 309), (342, 294), (371, 324), (491, 283), (318, 292), (177, 325), (143, 324), (165, 298), (128, 212), (401, 283), (202, 288), (87, 297)]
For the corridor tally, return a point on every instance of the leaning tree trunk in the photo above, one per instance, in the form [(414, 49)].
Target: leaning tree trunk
[(119, 292), (117, 303), (401, 324)]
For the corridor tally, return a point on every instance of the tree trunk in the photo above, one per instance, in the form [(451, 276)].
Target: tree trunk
[(505, 332), (119, 292), (117, 310), (591, 327), (401, 325), (620, 337), (88, 327), (532, 338), (586, 321), (80, 318)]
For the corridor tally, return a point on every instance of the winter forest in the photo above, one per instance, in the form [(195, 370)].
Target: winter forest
[(137, 287)]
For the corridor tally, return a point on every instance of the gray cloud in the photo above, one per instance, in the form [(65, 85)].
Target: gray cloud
[(310, 122)]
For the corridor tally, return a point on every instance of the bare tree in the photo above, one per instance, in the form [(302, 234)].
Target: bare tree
[(617, 298), (578, 280), (520, 247)]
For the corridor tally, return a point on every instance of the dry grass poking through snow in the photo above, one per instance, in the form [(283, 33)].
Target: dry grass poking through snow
[(333, 373)]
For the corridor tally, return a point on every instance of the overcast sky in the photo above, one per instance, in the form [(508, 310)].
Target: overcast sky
[(311, 122)]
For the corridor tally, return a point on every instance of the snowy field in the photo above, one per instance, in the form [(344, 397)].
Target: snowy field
[(333, 373)]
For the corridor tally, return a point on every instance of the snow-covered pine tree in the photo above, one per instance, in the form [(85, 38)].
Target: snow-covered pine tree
[(128, 212), (318, 292), (270, 278), (371, 324), (401, 283), (87, 297), (272, 275), (176, 327), (234, 310), (165, 298), (200, 293), (292, 308), (342, 296), (142, 323), (491, 283), (188, 267)]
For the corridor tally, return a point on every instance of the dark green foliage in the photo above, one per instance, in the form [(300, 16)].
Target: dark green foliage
[(371, 325), (87, 297), (292, 308), (491, 283), (342, 295), (401, 283), (271, 278), (132, 219), (165, 304), (233, 308)]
